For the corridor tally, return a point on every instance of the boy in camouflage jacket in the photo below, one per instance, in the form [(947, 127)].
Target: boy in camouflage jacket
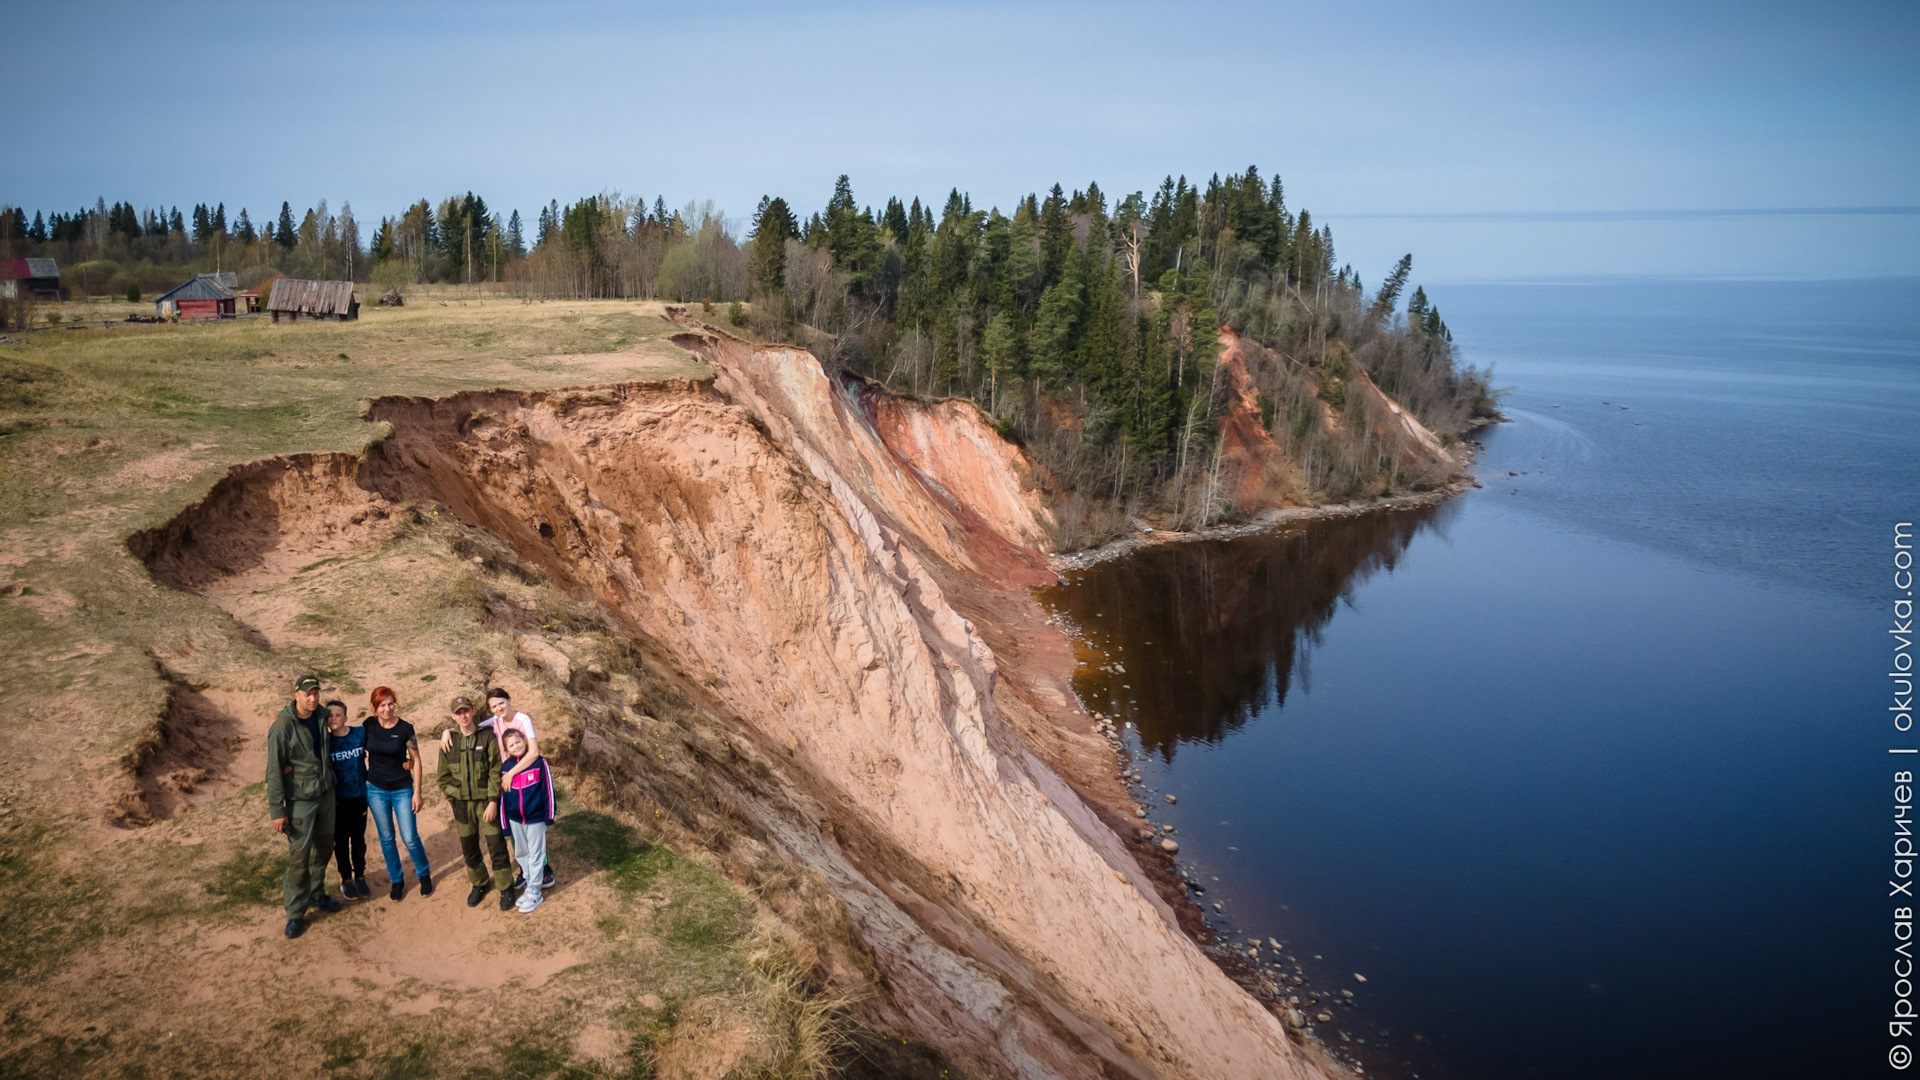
[(469, 777)]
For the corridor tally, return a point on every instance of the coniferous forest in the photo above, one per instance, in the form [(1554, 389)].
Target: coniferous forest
[(1087, 328), (1089, 331)]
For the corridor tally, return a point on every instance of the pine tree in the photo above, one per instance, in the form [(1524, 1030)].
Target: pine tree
[(283, 233), (245, 230), (219, 217), (516, 242)]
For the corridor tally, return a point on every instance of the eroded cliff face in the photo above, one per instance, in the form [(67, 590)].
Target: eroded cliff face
[(783, 541), (1262, 476), (1417, 451)]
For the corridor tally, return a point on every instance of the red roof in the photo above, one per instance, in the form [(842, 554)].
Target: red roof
[(24, 269)]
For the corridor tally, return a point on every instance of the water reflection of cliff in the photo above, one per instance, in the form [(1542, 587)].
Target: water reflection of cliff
[(1208, 634)]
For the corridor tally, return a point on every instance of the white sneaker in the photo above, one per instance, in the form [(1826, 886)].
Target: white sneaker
[(527, 903)]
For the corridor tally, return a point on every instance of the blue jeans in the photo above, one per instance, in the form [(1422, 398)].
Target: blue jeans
[(391, 808)]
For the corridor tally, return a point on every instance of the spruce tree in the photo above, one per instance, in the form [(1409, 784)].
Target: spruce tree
[(1056, 236), (283, 233), (1389, 294), (1103, 335), (1000, 353), (773, 226), (895, 219), (1417, 310), (1055, 327)]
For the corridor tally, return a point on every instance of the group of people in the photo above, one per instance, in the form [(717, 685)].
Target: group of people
[(326, 776)]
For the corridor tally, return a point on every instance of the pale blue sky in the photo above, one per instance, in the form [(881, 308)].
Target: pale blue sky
[(1483, 137)]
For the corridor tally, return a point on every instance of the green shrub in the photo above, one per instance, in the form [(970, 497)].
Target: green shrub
[(737, 313), (133, 292)]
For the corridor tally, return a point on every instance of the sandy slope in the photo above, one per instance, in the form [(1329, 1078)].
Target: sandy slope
[(793, 553)]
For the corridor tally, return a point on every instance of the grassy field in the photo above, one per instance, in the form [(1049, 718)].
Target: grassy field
[(155, 949)]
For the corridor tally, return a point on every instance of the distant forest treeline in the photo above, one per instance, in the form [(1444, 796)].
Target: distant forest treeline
[(1088, 330)]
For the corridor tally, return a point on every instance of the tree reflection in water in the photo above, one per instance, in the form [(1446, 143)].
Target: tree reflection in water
[(1207, 634)]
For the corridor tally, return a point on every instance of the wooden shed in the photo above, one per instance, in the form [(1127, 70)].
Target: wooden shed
[(295, 298), (36, 278), (203, 296)]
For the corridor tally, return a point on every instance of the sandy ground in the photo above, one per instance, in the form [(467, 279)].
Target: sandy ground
[(137, 873)]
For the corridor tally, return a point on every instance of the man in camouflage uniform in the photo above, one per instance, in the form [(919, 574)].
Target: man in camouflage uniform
[(300, 801), (469, 777)]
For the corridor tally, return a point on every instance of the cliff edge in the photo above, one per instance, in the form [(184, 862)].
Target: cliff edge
[(806, 553)]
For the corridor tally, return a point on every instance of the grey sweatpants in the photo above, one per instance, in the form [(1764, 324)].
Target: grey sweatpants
[(530, 851)]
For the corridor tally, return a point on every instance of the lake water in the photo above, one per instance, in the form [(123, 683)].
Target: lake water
[(1586, 771)]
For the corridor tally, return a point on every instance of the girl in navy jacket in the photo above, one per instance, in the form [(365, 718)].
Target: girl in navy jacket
[(526, 802)]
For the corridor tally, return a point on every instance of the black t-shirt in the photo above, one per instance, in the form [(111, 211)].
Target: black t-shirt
[(312, 723), (387, 755)]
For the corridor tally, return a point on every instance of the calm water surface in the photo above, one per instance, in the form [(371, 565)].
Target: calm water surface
[(1585, 771)]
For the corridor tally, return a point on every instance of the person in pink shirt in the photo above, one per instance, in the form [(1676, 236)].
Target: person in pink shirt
[(501, 718)]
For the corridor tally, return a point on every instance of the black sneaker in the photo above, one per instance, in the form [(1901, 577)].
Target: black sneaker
[(326, 903), (360, 889), (546, 877), (296, 927), (519, 882), (477, 894), (398, 890), (426, 885), (507, 897)]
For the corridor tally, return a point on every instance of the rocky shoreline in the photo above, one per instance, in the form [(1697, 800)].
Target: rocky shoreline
[(1266, 968), (1269, 521)]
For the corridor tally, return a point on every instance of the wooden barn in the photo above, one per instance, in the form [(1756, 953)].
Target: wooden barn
[(203, 296), (35, 278), (294, 298)]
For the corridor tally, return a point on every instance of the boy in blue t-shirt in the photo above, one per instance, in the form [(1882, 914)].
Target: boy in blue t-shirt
[(349, 757)]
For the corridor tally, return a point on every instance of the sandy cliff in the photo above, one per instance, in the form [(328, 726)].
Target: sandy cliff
[(1262, 477), (794, 546)]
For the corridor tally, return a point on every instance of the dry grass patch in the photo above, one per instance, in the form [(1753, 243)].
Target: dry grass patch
[(156, 950)]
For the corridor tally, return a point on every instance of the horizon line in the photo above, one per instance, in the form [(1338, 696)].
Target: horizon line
[(1631, 215)]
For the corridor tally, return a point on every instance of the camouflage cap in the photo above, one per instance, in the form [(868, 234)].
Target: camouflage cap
[(461, 701), (307, 682)]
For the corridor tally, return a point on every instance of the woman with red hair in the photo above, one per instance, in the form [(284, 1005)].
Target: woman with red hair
[(393, 790)]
